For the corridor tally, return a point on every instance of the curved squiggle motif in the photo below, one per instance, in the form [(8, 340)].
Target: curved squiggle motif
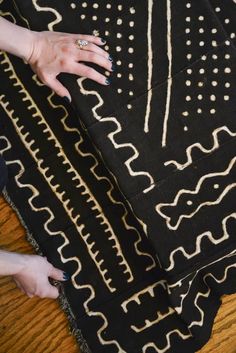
[(99, 177), (189, 149), (111, 135), (207, 293), (179, 283), (35, 194), (207, 203), (48, 9), (168, 345), (199, 240)]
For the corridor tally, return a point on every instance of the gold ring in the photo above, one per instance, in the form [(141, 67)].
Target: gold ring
[(81, 43)]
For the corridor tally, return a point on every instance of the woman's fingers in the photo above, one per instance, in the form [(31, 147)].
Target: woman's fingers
[(95, 58), (57, 87), (89, 72), (91, 47), (92, 39)]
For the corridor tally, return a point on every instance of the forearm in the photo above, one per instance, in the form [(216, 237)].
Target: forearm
[(15, 40), (11, 263)]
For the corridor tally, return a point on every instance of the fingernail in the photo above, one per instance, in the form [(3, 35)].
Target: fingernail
[(67, 99), (66, 276), (103, 40), (110, 58), (113, 67), (108, 81)]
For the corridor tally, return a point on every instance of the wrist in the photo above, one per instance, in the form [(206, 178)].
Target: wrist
[(12, 263)]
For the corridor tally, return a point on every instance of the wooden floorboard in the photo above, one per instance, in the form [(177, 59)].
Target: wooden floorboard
[(39, 325)]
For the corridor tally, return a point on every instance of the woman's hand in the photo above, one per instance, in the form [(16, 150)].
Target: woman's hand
[(55, 52), (32, 279)]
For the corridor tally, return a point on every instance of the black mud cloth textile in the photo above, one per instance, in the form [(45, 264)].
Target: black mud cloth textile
[(165, 129)]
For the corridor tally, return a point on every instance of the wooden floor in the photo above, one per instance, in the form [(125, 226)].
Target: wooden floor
[(39, 326)]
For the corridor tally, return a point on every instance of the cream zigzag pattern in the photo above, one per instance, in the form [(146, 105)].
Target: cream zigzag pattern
[(189, 149), (78, 148), (193, 192), (179, 283), (48, 9), (94, 254), (207, 234), (51, 217), (152, 345), (115, 132)]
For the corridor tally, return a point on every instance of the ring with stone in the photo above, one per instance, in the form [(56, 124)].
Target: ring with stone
[(81, 43)]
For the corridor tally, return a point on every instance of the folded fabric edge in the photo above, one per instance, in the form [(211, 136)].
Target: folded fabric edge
[(62, 299)]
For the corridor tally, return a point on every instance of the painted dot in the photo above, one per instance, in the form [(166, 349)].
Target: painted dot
[(214, 83), (201, 71), (226, 98), (72, 5), (188, 42), (227, 42), (107, 33), (108, 6), (131, 93), (216, 186), (94, 18), (200, 84), (107, 19), (201, 18), (214, 56), (84, 4), (185, 113), (204, 57), (214, 30), (214, 43), (131, 77), (132, 10), (189, 202), (119, 21), (82, 17), (187, 19), (131, 65), (188, 98), (189, 71), (201, 30), (187, 30), (129, 106), (120, 7), (119, 75), (201, 43), (217, 9), (118, 62), (131, 37), (227, 70), (131, 24), (199, 110), (119, 35), (227, 56), (119, 90), (227, 84), (107, 73), (215, 70), (189, 56), (185, 128), (232, 35), (188, 83), (95, 6), (227, 20), (199, 97), (212, 111), (131, 50), (212, 97), (106, 47), (188, 5)]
